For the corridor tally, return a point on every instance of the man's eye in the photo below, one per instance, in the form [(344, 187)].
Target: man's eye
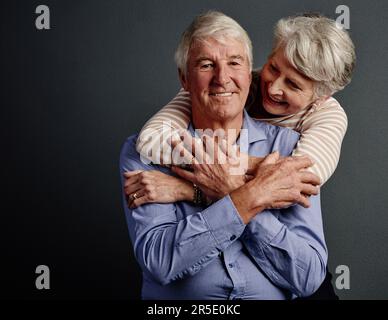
[(234, 63), (206, 66)]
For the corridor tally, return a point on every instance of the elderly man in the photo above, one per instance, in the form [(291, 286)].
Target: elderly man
[(237, 247)]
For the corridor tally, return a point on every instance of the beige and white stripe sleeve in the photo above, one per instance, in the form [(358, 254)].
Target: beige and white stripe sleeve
[(321, 138), (152, 142)]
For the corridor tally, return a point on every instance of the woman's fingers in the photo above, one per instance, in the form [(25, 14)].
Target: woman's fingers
[(128, 174), (132, 188), (131, 177), (138, 201)]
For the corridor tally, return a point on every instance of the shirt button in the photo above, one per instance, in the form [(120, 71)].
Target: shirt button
[(232, 238), (231, 265)]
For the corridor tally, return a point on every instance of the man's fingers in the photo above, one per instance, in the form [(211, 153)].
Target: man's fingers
[(184, 174), (309, 190), (210, 149), (302, 162), (304, 201), (198, 150), (309, 177), (214, 150), (180, 155), (271, 158)]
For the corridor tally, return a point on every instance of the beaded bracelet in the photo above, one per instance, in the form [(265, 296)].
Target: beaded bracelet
[(197, 199)]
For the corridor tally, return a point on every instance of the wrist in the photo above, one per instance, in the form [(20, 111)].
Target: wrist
[(185, 192), (198, 196), (233, 184), (246, 202)]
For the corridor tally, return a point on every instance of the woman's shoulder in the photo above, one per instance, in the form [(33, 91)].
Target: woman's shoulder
[(327, 113), (331, 104)]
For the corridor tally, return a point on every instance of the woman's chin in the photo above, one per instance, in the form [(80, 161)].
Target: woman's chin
[(273, 110)]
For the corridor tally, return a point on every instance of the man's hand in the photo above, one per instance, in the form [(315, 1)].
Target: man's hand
[(277, 183), (213, 161)]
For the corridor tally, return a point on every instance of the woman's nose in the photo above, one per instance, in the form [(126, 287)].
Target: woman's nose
[(275, 88)]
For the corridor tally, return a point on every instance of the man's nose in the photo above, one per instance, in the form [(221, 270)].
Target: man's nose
[(275, 87), (221, 75)]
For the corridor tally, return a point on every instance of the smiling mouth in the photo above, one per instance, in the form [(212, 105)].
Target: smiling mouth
[(221, 94), (275, 102), (272, 101)]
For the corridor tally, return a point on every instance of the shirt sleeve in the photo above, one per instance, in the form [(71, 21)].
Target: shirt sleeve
[(157, 131), (289, 246), (321, 137), (170, 246)]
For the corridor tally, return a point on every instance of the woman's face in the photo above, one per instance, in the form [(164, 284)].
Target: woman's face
[(284, 89)]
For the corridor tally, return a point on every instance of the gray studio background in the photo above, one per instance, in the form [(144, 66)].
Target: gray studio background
[(79, 89)]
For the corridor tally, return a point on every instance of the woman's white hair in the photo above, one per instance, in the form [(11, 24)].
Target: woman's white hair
[(212, 24), (318, 48)]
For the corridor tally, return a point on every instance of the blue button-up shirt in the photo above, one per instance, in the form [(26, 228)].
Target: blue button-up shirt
[(191, 252)]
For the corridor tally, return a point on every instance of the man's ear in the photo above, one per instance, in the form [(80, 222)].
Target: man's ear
[(183, 80)]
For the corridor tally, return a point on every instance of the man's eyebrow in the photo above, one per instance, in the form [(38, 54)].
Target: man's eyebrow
[(205, 58), (237, 56), (200, 59)]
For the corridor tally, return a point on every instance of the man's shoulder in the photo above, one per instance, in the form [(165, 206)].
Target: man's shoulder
[(129, 146), (130, 159)]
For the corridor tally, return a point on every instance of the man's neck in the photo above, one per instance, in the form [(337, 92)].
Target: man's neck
[(207, 123)]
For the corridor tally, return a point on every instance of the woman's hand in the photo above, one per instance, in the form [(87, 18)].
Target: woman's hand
[(154, 186)]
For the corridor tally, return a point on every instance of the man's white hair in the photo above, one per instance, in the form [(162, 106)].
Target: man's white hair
[(318, 48), (212, 24)]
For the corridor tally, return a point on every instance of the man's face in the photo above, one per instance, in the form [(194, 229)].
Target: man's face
[(218, 79)]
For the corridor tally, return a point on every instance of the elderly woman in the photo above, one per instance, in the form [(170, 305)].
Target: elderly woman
[(312, 58)]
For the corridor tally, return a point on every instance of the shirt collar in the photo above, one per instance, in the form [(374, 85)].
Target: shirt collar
[(256, 131)]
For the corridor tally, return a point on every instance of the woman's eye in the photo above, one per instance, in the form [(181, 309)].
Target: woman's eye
[(273, 68), (294, 85)]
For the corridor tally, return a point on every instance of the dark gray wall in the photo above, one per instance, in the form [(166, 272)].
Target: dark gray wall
[(72, 94)]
